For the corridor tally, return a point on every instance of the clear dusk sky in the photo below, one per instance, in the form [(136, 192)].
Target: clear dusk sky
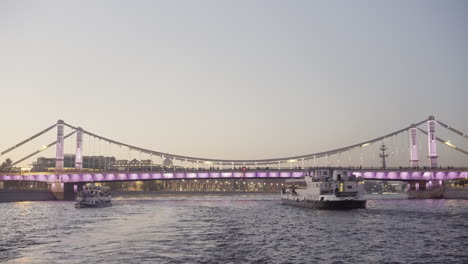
[(232, 79)]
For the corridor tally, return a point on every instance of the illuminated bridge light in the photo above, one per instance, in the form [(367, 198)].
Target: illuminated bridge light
[(450, 144)]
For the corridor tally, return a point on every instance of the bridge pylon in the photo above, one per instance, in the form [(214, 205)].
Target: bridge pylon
[(431, 141), (79, 149), (413, 148), (60, 145)]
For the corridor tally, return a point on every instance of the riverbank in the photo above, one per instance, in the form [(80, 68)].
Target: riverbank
[(25, 195), (441, 192), (46, 195), (143, 194), (456, 193), (389, 196)]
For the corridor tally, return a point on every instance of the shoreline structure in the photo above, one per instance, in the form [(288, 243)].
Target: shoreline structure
[(46, 195)]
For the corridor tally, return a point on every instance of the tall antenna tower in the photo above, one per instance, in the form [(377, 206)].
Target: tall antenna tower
[(384, 154)]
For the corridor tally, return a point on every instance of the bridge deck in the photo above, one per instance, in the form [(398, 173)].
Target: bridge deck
[(368, 174)]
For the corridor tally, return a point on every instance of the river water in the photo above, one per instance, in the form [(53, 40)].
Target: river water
[(234, 229)]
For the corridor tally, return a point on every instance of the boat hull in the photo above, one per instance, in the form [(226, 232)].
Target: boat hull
[(327, 205), (83, 205)]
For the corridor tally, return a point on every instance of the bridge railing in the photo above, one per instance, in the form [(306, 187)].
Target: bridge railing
[(354, 168)]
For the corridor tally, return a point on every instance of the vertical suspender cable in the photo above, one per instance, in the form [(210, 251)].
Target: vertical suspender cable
[(94, 153), (89, 152)]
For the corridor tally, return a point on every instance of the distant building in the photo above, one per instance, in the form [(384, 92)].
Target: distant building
[(89, 162), (201, 185), (43, 164), (135, 165)]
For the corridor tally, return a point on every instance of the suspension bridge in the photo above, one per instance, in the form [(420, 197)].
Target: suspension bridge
[(191, 167)]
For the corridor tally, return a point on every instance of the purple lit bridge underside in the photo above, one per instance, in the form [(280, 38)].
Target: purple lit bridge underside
[(396, 175)]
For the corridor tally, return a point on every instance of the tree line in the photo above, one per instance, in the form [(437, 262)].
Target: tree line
[(6, 165)]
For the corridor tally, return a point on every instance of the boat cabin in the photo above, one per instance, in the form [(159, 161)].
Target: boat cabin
[(331, 175)]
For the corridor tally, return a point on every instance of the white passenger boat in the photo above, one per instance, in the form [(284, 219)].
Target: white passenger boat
[(93, 196), (326, 189)]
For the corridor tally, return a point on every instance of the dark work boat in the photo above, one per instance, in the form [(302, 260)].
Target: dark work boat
[(326, 189)]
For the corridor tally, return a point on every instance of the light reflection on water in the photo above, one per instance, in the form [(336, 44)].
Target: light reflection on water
[(230, 229)]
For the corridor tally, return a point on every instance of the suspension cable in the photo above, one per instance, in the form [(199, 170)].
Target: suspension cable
[(251, 162), (27, 140), (446, 142), (41, 149), (99, 155), (453, 129)]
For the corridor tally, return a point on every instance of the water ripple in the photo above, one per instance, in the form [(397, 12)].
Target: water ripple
[(234, 230)]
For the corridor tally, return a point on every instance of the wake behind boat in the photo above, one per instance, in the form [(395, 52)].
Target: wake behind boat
[(93, 196), (326, 189)]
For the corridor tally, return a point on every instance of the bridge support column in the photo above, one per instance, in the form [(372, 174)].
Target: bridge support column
[(63, 191), (413, 148), (60, 145), (79, 149), (431, 141)]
